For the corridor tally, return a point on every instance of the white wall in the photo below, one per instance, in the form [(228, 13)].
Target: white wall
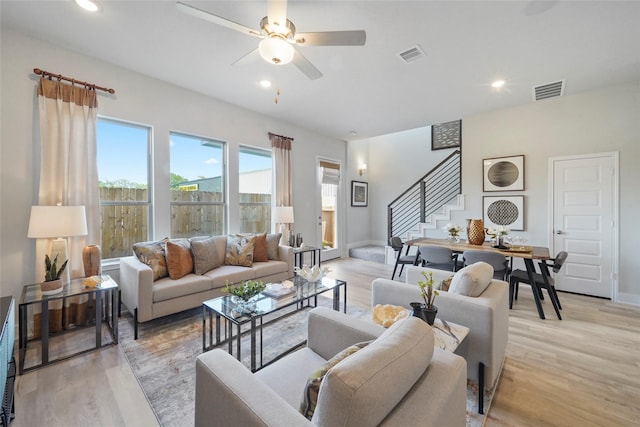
[(599, 121), (139, 99)]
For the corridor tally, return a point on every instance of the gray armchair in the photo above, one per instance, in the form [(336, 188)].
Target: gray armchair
[(395, 380), (487, 317)]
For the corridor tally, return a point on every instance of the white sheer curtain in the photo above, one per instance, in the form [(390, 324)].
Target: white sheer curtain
[(68, 163), (282, 167)]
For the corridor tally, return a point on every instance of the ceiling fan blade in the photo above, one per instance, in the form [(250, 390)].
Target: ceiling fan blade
[(198, 13), (249, 58), (332, 38), (277, 12), (305, 66)]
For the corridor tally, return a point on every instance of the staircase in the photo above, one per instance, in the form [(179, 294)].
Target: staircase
[(430, 199)]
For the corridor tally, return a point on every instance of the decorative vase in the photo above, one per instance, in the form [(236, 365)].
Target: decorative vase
[(475, 232), (91, 259), (421, 311)]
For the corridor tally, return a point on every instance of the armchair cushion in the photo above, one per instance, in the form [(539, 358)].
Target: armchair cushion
[(383, 372), (472, 280)]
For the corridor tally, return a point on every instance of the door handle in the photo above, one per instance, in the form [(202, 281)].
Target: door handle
[(559, 232)]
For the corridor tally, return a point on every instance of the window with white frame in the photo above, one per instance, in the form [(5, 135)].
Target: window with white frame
[(123, 156), (255, 189), (197, 186)]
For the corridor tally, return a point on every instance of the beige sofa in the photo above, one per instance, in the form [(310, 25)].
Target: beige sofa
[(486, 315), (399, 379), (147, 299)]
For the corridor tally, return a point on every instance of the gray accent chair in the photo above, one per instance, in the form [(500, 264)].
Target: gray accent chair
[(487, 317), (498, 261), (438, 257), (397, 380)]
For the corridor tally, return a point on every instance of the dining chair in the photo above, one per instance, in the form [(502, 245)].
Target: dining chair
[(521, 276), (498, 261), (438, 257), (396, 243)]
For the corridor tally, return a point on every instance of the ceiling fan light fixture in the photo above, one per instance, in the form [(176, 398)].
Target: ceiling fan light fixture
[(276, 51)]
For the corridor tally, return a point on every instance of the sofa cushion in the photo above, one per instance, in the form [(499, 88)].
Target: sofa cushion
[(445, 284), (229, 273), (383, 372), (311, 390), (205, 254), (264, 269), (472, 280), (152, 254), (179, 258), (168, 289), (272, 243), (240, 250), (260, 249)]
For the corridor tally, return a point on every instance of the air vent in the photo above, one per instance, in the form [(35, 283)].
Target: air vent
[(412, 54), (549, 90)]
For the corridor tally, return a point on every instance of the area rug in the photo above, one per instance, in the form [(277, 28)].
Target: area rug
[(163, 359), (368, 253)]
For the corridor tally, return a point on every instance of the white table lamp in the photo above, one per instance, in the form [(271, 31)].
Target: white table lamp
[(283, 215), (58, 223)]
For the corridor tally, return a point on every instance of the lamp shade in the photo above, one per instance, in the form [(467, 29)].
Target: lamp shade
[(282, 214), (57, 221), (276, 51)]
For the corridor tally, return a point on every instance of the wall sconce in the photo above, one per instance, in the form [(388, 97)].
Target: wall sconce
[(362, 168)]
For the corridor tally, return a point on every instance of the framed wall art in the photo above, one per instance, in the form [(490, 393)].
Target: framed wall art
[(446, 135), (359, 193), (503, 174), (507, 211)]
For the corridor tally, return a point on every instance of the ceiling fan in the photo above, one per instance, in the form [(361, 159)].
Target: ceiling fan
[(279, 36)]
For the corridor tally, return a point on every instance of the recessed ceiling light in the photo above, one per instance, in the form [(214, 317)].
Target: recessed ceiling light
[(353, 133), (265, 83), (89, 5), (498, 84)]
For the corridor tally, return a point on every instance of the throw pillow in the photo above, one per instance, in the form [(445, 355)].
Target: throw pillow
[(179, 258), (312, 388), (260, 249), (240, 250), (205, 255), (446, 284), (386, 315), (273, 241), (152, 254), (472, 280)]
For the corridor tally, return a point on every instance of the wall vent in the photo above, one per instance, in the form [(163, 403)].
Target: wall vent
[(412, 54), (549, 90)]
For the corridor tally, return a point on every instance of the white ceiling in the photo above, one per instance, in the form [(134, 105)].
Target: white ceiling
[(366, 89)]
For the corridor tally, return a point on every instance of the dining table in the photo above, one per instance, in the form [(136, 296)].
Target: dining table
[(529, 254)]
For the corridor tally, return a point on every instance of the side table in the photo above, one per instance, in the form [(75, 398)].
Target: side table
[(298, 256), (105, 295)]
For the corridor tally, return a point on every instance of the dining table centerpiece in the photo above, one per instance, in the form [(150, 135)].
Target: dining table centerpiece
[(498, 234), (453, 231)]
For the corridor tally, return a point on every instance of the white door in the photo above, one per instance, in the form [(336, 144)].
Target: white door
[(329, 202), (584, 214)]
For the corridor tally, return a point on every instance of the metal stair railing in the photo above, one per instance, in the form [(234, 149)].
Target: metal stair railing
[(426, 196)]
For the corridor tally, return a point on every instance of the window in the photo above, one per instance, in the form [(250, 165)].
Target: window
[(197, 186), (125, 191), (255, 190)]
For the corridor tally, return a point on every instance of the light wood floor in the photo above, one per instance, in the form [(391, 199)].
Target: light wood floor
[(581, 371)]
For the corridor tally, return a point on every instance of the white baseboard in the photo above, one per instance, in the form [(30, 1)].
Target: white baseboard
[(626, 298)]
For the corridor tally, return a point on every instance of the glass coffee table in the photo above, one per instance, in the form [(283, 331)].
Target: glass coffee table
[(305, 295)]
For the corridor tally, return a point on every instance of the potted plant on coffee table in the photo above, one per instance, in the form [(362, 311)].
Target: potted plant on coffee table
[(52, 282), (426, 311), (242, 293)]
